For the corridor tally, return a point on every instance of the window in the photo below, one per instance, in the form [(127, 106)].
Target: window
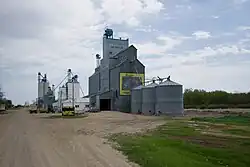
[(86, 105), (77, 106)]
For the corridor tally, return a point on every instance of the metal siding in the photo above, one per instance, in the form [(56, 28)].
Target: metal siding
[(136, 100), (46, 87), (62, 93), (76, 90), (40, 89), (109, 79), (108, 43), (169, 99), (123, 103), (148, 99), (94, 83), (98, 102), (92, 101), (104, 79)]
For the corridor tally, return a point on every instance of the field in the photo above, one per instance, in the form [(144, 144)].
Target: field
[(106, 139), (214, 140)]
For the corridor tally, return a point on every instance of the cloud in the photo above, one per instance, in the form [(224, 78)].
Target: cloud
[(129, 11), (215, 17), (183, 7), (53, 35), (147, 29), (168, 43), (243, 28), (239, 1), (201, 35)]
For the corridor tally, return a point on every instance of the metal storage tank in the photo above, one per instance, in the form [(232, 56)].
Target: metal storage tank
[(40, 90), (70, 90), (169, 98), (136, 99), (45, 87), (148, 99), (40, 86)]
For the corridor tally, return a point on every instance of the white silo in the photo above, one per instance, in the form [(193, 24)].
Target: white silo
[(73, 86)]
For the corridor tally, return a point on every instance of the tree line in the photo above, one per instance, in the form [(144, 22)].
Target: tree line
[(195, 98)]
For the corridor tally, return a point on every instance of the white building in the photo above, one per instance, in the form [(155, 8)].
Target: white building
[(81, 104)]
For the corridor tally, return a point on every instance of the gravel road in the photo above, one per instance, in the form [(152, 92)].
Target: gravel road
[(38, 141)]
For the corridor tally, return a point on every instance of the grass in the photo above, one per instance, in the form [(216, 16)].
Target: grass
[(243, 132), (230, 119), (180, 143)]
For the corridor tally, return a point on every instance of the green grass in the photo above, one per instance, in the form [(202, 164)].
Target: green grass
[(243, 132), (231, 119), (177, 144)]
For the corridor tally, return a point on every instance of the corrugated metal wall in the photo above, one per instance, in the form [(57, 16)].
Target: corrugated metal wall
[(109, 79), (94, 83), (136, 99), (169, 98), (123, 103), (148, 99)]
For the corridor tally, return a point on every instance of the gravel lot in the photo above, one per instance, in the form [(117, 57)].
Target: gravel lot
[(40, 141)]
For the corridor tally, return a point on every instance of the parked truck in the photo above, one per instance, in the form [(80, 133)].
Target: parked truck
[(33, 108), (2, 107)]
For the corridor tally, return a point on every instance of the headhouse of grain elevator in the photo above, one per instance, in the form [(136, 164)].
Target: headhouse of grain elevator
[(116, 73)]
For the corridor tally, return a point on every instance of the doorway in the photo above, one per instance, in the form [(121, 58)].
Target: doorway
[(105, 104)]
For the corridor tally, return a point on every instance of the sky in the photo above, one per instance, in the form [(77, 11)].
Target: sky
[(203, 44)]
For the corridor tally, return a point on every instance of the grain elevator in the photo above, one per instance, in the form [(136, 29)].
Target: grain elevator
[(115, 75)]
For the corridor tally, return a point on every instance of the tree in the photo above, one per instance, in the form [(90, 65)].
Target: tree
[(215, 99)]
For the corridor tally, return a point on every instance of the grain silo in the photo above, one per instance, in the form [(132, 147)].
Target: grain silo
[(136, 99), (169, 98), (148, 99)]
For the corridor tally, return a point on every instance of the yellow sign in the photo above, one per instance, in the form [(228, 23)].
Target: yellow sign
[(129, 81)]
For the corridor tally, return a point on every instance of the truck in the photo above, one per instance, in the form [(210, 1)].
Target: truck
[(33, 108), (2, 107)]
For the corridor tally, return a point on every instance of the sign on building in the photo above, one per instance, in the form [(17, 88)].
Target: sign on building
[(129, 81)]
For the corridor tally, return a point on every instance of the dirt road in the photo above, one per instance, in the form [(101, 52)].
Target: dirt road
[(38, 141)]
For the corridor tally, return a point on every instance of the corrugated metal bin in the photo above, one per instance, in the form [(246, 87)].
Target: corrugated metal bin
[(136, 99), (169, 98), (148, 99)]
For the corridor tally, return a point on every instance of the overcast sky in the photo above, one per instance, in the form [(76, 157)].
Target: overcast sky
[(202, 44)]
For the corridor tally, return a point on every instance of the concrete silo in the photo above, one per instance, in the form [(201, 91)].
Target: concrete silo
[(148, 99), (169, 98), (136, 99)]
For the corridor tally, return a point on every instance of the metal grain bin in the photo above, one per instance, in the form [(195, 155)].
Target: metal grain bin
[(136, 99), (148, 99), (169, 98)]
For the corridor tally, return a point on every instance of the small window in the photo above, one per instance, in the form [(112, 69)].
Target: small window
[(86, 105), (110, 53), (77, 106)]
